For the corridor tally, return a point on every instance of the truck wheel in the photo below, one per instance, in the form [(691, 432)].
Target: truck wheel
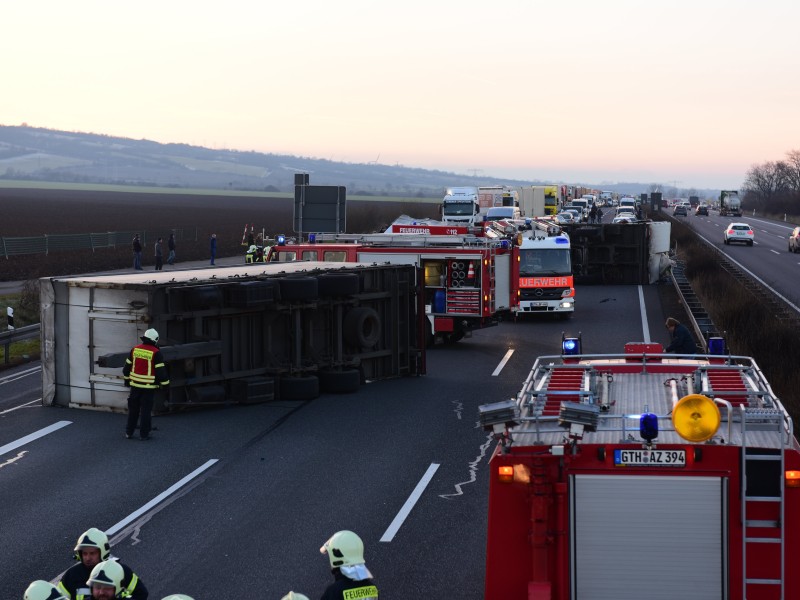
[(298, 288), (452, 338), (345, 381), (338, 284), (362, 327), (299, 387)]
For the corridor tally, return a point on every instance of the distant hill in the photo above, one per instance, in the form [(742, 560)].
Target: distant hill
[(38, 154)]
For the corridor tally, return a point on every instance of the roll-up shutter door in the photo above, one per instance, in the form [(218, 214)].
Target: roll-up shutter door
[(660, 538)]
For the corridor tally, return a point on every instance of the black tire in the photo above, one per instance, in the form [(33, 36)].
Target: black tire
[(345, 381), (299, 387), (338, 284), (452, 338), (750, 243), (362, 327), (298, 288), (565, 316)]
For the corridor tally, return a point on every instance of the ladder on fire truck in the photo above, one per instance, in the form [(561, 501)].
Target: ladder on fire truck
[(730, 382), (410, 240)]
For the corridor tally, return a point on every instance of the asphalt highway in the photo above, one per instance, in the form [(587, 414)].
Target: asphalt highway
[(235, 502)]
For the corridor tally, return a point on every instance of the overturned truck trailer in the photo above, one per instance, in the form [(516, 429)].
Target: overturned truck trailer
[(236, 334)]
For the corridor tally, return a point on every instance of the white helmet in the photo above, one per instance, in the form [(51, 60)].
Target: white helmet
[(151, 335), (43, 590), (110, 573), (292, 596), (178, 597), (344, 548), (93, 538)]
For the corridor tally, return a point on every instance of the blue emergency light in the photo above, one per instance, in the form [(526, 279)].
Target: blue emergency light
[(648, 426), (562, 240), (281, 240), (505, 244), (716, 345), (312, 238), (570, 346)]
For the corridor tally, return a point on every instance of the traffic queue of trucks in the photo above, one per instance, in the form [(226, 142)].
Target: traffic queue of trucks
[(469, 205), (471, 280), (642, 475)]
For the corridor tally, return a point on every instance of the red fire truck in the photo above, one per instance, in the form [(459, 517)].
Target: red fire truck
[(643, 475), (468, 279)]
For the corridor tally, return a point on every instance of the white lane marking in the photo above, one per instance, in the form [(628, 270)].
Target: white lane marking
[(18, 376), (8, 410), (33, 436), (774, 251), (394, 527), (643, 311), (503, 362), (473, 468), (170, 490)]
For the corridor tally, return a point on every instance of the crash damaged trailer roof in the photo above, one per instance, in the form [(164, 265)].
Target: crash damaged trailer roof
[(222, 327), (624, 386)]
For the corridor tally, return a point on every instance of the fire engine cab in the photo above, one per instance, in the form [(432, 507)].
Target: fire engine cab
[(468, 282), (545, 270), (643, 475)]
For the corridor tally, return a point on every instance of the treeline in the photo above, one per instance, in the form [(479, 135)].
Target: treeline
[(774, 186)]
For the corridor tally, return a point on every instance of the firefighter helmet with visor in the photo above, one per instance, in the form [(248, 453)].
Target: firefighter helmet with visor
[(344, 548)]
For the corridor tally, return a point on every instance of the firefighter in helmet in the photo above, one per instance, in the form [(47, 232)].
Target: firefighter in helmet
[(345, 552), (92, 549), (178, 597), (43, 590), (105, 581), (295, 596), (144, 372)]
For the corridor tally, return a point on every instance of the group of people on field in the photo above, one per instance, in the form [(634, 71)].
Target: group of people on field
[(100, 576)]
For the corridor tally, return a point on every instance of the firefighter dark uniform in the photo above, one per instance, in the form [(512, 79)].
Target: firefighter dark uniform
[(352, 579), (345, 589), (74, 582), (144, 373)]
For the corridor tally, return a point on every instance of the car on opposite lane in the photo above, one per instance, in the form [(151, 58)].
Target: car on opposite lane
[(738, 232), (794, 240)]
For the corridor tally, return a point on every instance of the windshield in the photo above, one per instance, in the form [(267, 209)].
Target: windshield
[(544, 261), (458, 208)]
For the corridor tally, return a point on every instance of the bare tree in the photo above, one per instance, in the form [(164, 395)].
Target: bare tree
[(792, 171)]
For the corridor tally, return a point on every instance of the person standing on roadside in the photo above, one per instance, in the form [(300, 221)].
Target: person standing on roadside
[(213, 247), (171, 247), (137, 253), (144, 372), (159, 254)]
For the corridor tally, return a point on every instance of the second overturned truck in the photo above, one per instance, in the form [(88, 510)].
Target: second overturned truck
[(643, 475)]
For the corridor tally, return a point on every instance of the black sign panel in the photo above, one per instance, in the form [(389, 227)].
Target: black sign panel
[(320, 208)]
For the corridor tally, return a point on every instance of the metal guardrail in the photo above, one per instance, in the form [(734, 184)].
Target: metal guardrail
[(45, 244), (20, 334)]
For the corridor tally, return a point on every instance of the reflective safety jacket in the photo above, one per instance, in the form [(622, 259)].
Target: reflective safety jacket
[(145, 368), (347, 589), (74, 586)]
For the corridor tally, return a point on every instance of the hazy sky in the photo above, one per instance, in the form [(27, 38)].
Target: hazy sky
[(687, 92)]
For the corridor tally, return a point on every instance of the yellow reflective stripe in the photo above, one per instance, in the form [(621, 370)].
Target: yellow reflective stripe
[(368, 591), (132, 584), (159, 365), (63, 590)]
